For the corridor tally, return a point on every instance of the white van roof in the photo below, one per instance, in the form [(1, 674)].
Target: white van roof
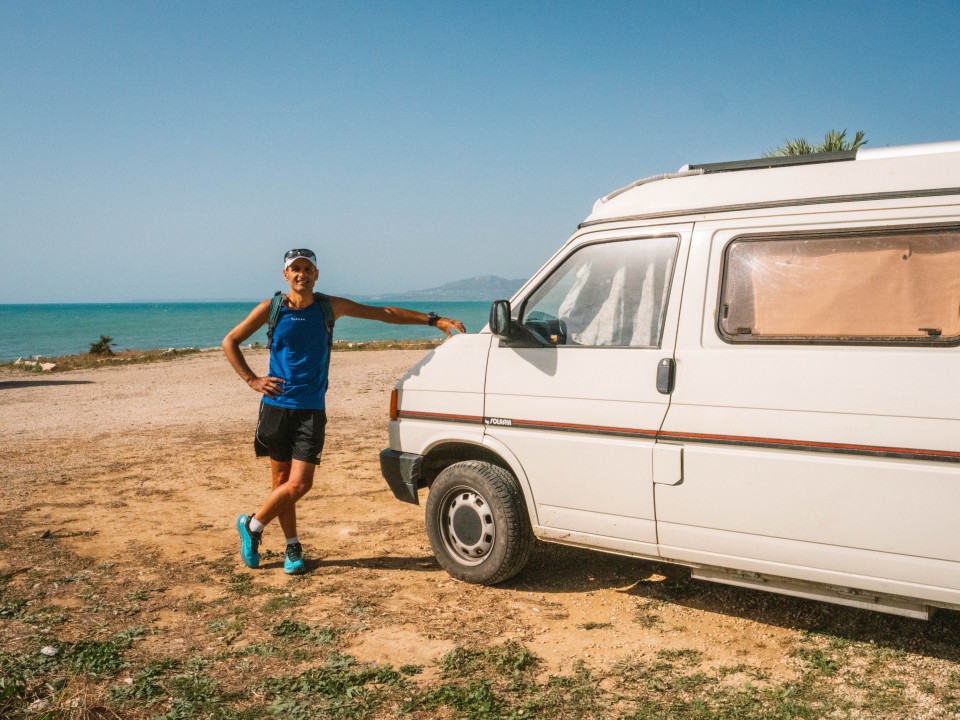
[(864, 174)]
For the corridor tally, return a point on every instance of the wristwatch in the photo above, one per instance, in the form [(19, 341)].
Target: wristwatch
[(432, 319)]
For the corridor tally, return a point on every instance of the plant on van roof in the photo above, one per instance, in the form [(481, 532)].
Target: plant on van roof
[(833, 141)]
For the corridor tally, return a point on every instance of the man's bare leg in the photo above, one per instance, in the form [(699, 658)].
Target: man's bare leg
[(287, 491), (280, 472)]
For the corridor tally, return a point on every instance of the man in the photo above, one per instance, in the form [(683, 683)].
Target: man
[(292, 418)]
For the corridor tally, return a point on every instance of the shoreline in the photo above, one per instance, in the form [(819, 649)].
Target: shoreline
[(45, 364)]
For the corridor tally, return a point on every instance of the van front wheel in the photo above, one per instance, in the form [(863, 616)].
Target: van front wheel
[(477, 523)]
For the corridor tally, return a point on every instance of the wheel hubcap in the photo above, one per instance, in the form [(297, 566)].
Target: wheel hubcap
[(468, 527)]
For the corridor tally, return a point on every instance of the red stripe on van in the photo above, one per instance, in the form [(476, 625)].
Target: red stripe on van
[(418, 415), (603, 429), (876, 450), (742, 440)]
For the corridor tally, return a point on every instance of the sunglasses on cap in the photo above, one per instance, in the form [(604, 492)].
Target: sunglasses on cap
[(300, 253), (297, 253)]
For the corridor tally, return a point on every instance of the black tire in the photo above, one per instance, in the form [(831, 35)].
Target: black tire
[(477, 523)]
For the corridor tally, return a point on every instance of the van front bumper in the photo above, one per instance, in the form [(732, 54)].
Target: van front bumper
[(402, 472)]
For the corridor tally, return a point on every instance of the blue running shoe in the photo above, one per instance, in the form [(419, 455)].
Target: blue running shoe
[(293, 560), (249, 542)]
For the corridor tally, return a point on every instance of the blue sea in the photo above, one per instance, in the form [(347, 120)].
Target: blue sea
[(27, 330)]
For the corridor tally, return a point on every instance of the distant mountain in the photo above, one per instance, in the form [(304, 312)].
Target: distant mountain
[(483, 288)]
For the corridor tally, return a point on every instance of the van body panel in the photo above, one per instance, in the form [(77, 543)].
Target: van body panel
[(598, 542), (569, 454), (516, 467), (584, 419), (442, 391), (572, 494), (820, 500), (848, 567), (419, 436), (459, 365)]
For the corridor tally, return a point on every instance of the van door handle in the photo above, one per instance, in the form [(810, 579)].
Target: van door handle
[(666, 375)]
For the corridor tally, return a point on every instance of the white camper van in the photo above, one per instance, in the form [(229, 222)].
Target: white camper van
[(749, 368)]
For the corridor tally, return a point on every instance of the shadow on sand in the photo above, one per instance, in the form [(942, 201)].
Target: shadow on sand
[(556, 568), (15, 384)]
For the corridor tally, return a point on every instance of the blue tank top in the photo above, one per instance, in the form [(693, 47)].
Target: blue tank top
[(300, 355)]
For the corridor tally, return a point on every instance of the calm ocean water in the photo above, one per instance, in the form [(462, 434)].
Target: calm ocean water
[(51, 330)]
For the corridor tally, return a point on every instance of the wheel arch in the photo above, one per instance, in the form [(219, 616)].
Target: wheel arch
[(441, 456)]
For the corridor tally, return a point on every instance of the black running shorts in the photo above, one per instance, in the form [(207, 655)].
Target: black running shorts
[(287, 435)]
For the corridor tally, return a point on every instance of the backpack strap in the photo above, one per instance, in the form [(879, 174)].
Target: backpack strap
[(327, 308), (275, 303)]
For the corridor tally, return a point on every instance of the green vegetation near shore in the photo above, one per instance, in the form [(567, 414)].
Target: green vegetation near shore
[(90, 360)]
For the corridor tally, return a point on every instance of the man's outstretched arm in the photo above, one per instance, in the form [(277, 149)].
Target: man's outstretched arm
[(394, 315)]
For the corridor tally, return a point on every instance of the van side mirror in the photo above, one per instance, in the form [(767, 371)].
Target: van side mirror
[(500, 320), (511, 333)]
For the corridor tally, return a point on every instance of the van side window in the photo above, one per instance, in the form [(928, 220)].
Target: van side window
[(607, 294), (879, 286)]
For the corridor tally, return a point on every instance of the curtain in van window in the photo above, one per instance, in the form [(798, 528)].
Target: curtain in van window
[(609, 294), (647, 309), (607, 325), (905, 285)]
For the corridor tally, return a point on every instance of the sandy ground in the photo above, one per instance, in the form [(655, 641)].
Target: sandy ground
[(155, 461)]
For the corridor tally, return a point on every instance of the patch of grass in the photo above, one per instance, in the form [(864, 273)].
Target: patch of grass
[(359, 606), (475, 700), (501, 682), (225, 625), (594, 625), (325, 635), (511, 658), (150, 684), (290, 629), (281, 602), (14, 608), (461, 662), (340, 688), (688, 655), (99, 658), (14, 676), (646, 615), (255, 650), (241, 584), (567, 696), (818, 660), (46, 616)]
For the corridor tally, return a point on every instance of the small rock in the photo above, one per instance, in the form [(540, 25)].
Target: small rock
[(48, 650)]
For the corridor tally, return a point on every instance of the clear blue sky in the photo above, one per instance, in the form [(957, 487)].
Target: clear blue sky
[(175, 149)]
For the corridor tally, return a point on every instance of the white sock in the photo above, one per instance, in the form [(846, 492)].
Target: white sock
[(256, 526), (294, 539)]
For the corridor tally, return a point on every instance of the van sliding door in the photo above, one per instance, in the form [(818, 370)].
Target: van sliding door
[(817, 404)]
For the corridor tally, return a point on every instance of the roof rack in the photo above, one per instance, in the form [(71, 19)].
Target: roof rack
[(772, 162)]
